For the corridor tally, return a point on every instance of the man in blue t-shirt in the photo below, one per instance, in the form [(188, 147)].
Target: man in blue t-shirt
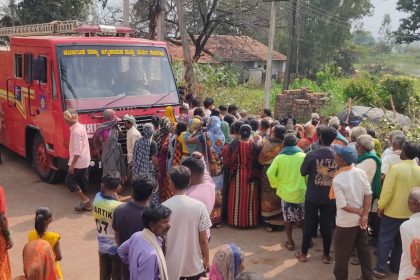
[(320, 167)]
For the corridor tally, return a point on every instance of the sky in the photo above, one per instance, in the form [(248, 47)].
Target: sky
[(382, 7), (371, 23)]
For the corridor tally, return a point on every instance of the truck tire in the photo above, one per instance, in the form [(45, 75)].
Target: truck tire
[(43, 162)]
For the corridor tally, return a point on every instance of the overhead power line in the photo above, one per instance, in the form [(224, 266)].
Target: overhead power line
[(319, 17), (320, 10)]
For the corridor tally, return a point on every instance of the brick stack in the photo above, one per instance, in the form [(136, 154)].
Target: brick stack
[(299, 102)]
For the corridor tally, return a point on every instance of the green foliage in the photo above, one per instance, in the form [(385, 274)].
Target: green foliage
[(362, 37), (362, 90), (408, 30), (322, 39), (245, 96), (43, 11), (217, 76), (400, 88), (345, 58)]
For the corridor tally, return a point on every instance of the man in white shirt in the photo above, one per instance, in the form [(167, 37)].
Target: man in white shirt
[(187, 247), (77, 178), (388, 150), (132, 135), (389, 160), (353, 199), (410, 230)]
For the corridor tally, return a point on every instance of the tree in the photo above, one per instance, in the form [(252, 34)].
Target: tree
[(409, 30), (386, 37), (42, 11), (205, 17), (362, 37), (324, 30)]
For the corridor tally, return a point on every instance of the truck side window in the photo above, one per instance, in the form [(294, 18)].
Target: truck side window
[(54, 86), (18, 65), (44, 68)]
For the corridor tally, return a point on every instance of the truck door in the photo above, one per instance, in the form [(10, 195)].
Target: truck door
[(6, 104), (19, 98), (45, 106)]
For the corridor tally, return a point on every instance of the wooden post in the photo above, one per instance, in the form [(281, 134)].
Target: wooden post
[(393, 108), (349, 111), (189, 70), (267, 87)]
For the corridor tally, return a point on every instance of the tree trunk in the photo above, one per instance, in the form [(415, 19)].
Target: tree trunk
[(189, 71)]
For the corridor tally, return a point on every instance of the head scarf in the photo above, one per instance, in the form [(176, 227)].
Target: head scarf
[(109, 115), (141, 152), (110, 121), (162, 132), (225, 129), (215, 134), (226, 262), (70, 115), (169, 113), (39, 260), (194, 123)]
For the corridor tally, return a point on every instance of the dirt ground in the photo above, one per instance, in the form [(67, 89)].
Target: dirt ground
[(264, 252)]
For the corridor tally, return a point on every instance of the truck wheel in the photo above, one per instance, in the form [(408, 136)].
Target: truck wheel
[(42, 162)]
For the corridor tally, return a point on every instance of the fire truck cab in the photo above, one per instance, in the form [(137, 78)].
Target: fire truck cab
[(41, 76)]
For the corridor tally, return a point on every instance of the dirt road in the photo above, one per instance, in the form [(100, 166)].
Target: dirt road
[(264, 252)]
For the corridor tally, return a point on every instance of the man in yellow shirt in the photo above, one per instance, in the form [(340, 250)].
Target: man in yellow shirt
[(393, 207)]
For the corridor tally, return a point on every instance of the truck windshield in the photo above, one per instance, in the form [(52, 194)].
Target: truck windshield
[(95, 77)]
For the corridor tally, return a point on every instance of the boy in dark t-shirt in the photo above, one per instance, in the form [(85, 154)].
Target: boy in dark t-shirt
[(320, 167), (128, 217)]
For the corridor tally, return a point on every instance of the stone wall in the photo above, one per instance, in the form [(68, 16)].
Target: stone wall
[(301, 103)]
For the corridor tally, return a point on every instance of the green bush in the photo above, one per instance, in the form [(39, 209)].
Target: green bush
[(400, 88), (364, 91)]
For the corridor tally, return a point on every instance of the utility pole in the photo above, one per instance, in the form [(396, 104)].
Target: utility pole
[(271, 36), (298, 30), (126, 12), (292, 37), (189, 71)]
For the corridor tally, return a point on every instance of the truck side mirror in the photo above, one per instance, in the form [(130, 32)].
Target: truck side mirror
[(28, 68), (40, 69)]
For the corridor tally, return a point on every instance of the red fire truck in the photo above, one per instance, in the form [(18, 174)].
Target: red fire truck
[(41, 76)]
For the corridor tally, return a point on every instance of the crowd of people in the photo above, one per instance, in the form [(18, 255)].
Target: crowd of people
[(191, 172)]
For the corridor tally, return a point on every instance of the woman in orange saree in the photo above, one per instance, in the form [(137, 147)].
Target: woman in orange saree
[(39, 261), (5, 241)]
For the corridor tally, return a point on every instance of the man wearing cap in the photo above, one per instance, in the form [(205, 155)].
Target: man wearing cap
[(77, 178), (132, 135), (353, 199)]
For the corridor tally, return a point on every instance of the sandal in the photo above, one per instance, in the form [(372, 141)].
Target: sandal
[(379, 275), (268, 229), (83, 206), (301, 257), (326, 259), (290, 245)]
